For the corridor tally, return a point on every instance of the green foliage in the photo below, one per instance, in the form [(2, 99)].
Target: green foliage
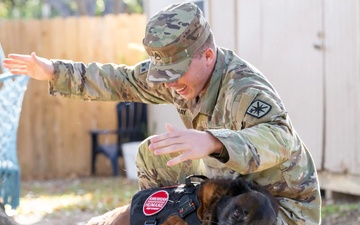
[(13, 9), (340, 209), (134, 6), (36, 9)]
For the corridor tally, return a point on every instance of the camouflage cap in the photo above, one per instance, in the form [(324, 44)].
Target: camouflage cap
[(172, 37)]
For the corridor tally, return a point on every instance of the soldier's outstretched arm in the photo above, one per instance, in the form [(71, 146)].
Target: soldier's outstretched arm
[(31, 65)]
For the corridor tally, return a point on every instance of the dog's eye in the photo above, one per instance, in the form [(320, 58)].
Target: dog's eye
[(238, 214), (245, 212)]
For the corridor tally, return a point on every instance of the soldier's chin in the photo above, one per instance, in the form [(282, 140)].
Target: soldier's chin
[(187, 97), (185, 94)]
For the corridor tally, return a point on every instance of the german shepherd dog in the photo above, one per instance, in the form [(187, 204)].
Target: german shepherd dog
[(221, 202), (235, 202), (232, 202)]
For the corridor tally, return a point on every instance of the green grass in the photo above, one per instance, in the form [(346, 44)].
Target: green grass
[(340, 209), (97, 195)]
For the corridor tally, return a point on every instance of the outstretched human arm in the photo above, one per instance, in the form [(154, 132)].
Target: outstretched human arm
[(93, 81), (32, 65)]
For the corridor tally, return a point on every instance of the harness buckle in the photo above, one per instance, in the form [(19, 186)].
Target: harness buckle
[(186, 208), (151, 222)]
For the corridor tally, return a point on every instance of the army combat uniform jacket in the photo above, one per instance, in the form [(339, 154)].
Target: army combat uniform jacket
[(240, 108)]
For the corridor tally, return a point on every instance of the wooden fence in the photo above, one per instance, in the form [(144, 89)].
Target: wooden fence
[(53, 137)]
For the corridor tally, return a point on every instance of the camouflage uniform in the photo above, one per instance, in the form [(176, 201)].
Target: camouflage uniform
[(240, 108)]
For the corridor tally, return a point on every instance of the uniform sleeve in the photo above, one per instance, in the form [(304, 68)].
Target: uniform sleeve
[(106, 82), (264, 140)]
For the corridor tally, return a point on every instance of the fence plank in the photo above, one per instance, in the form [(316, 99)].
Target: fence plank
[(53, 133), (279, 41), (342, 86)]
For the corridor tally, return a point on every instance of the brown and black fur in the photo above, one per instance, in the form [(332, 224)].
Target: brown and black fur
[(237, 202)]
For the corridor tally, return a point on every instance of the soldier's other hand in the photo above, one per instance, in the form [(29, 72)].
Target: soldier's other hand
[(31, 65), (189, 144)]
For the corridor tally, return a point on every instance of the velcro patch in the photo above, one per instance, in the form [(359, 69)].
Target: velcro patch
[(155, 203), (144, 66), (258, 109)]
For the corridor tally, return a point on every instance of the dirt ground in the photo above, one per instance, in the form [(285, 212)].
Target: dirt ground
[(348, 217), (73, 218), (72, 201), (341, 209)]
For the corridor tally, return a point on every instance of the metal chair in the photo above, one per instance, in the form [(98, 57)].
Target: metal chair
[(132, 126), (12, 89)]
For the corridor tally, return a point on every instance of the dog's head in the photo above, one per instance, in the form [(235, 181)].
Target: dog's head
[(252, 208), (236, 202)]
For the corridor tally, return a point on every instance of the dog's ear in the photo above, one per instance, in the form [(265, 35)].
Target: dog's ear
[(209, 192), (241, 186), (238, 186)]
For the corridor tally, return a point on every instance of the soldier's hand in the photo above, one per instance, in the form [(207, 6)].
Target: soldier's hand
[(31, 65), (188, 143)]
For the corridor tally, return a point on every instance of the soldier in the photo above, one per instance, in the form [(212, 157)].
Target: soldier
[(236, 123)]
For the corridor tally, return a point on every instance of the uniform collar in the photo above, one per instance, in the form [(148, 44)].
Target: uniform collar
[(209, 98)]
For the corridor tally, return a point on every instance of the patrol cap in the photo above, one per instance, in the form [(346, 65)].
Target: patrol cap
[(172, 36)]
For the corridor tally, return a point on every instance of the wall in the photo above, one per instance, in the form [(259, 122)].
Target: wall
[(280, 41), (342, 96), (314, 63)]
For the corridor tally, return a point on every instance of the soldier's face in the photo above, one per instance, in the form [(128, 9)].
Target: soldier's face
[(196, 79)]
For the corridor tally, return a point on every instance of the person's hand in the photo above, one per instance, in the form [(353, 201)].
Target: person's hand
[(189, 143), (31, 65)]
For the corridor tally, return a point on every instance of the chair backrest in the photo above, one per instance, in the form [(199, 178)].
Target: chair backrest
[(132, 121), (12, 89)]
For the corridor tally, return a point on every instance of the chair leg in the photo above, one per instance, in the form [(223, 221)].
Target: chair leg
[(94, 146), (115, 166), (93, 162)]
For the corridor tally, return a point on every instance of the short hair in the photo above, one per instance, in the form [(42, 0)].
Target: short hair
[(209, 43)]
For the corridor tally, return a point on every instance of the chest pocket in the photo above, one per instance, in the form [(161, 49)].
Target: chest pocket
[(241, 104)]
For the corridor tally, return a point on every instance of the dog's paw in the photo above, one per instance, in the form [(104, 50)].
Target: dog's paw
[(118, 216), (99, 220)]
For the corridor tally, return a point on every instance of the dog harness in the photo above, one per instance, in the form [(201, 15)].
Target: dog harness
[(155, 205)]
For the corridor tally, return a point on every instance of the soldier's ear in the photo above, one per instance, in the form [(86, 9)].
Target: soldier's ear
[(210, 57), (209, 54)]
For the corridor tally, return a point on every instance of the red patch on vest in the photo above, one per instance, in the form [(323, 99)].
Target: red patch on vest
[(155, 203)]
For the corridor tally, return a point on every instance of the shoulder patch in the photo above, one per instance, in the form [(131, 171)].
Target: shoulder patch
[(258, 109), (144, 67)]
